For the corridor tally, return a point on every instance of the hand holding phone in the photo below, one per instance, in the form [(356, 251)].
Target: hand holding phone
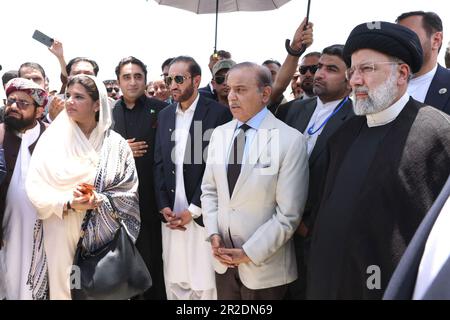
[(42, 38)]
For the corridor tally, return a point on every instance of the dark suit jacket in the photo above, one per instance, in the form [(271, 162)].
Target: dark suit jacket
[(11, 146), (149, 239), (207, 93), (403, 281), (298, 116), (436, 97), (211, 114), (406, 174)]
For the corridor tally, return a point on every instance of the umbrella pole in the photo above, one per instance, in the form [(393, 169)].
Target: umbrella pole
[(217, 18), (287, 44)]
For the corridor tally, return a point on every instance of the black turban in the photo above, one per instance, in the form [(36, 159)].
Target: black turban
[(389, 38)]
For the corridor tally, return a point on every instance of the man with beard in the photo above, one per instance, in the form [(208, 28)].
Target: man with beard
[(307, 69), (386, 167), (135, 117), (182, 137), (431, 84), (318, 118), (20, 133)]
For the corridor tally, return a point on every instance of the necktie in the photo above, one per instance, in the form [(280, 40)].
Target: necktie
[(235, 158)]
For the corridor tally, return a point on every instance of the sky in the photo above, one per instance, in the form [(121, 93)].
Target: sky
[(107, 31)]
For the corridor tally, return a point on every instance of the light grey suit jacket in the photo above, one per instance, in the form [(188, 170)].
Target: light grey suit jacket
[(267, 202)]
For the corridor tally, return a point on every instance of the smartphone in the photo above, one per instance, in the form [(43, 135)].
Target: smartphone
[(42, 38)]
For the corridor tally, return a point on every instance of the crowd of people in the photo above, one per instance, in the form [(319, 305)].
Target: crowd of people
[(233, 191)]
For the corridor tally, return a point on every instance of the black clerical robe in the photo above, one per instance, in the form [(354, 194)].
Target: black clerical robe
[(380, 183)]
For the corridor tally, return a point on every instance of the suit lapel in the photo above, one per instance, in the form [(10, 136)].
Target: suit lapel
[(438, 94), (332, 125), (305, 115), (259, 144)]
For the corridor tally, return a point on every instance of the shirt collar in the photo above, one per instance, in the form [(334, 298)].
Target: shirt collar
[(389, 114), (191, 108), (256, 120), (429, 75), (329, 105)]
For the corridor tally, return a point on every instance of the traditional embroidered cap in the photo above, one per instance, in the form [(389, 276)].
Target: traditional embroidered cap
[(389, 38), (38, 94), (222, 64)]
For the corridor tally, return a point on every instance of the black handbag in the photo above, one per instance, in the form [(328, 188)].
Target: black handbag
[(114, 272)]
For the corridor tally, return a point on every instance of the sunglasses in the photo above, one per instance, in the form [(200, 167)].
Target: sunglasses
[(219, 79), (19, 103), (304, 69), (111, 89), (178, 79)]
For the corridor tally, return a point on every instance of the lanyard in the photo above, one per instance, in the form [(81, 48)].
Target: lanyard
[(311, 130)]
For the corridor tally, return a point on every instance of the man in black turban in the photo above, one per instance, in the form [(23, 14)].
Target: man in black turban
[(386, 167)]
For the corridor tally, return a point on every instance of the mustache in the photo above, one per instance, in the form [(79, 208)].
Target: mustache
[(361, 90)]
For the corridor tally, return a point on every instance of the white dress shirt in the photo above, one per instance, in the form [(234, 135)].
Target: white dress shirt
[(183, 123), (387, 115), (418, 87), (436, 252), (321, 113)]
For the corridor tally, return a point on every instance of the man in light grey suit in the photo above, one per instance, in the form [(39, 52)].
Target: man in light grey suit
[(424, 269), (253, 192)]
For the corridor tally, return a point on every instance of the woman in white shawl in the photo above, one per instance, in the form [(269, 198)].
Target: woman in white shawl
[(78, 147)]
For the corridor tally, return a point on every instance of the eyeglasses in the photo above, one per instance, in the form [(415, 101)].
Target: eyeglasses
[(178, 79), (19, 103), (304, 69), (365, 68), (219, 79), (111, 89)]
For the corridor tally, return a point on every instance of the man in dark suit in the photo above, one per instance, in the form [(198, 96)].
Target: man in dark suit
[(424, 269), (431, 84), (378, 188), (135, 118), (318, 118), (182, 138)]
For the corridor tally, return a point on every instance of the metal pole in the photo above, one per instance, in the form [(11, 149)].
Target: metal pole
[(217, 17)]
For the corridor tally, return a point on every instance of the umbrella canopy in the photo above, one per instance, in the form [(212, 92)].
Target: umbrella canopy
[(209, 6), (216, 6)]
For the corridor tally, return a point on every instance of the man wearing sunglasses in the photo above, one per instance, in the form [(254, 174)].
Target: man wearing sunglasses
[(208, 91), (219, 81), (386, 167), (19, 136), (136, 118), (182, 137), (112, 87)]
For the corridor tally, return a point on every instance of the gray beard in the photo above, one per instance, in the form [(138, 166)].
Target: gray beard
[(378, 100)]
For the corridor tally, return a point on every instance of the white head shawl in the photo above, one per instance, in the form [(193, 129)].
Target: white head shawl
[(64, 157)]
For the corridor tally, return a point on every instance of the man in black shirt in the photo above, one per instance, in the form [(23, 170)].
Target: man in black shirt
[(135, 118)]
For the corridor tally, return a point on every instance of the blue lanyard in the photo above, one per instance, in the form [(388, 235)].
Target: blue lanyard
[(311, 130)]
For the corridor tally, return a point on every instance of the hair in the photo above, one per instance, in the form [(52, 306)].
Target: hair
[(32, 65), (90, 87), (8, 75), (111, 81), (263, 75), (131, 60), (166, 63), (335, 50), (431, 22), (80, 59), (312, 54), (222, 54), (194, 67), (271, 61)]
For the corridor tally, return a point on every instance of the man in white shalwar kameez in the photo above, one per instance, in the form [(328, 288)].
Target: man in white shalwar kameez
[(179, 163), (20, 132)]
